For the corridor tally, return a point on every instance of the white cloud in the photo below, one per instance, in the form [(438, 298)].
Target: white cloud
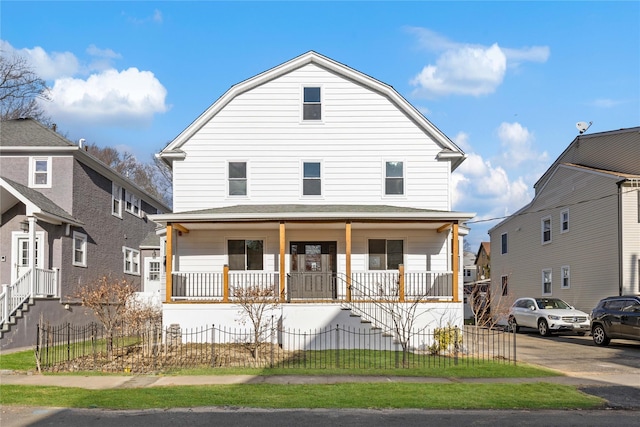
[(94, 93), (465, 68), (605, 103), (517, 142), (110, 97), (47, 66)]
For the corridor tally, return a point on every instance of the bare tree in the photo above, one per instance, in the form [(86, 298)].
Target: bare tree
[(154, 177), (114, 305), (255, 302), (20, 90)]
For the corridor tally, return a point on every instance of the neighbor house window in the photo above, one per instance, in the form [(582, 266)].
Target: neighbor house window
[(245, 254), (566, 275), (131, 260), (116, 200), (237, 178), (546, 282), (312, 104), (40, 172), (394, 178), (503, 245), (131, 203), (385, 254), (311, 180), (638, 193), (79, 249), (505, 285), (546, 230), (564, 221)]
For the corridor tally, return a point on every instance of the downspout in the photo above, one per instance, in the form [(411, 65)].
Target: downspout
[(620, 246)]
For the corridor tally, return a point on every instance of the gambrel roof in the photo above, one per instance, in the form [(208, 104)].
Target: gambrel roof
[(450, 150)]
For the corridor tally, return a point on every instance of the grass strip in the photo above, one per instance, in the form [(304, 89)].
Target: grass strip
[(348, 395)]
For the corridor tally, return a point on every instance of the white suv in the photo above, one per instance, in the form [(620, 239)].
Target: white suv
[(547, 315)]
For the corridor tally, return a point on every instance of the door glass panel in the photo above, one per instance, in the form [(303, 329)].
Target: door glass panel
[(154, 270), (313, 258)]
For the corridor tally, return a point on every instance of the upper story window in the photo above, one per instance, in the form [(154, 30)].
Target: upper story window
[(40, 172), (503, 243), (385, 254), (564, 221), (131, 260), (546, 230), (311, 180), (237, 178), (245, 254), (79, 249), (394, 178), (116, 200), (131, 203), (312, 104)]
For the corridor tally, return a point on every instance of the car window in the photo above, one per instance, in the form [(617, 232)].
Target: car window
[(631, 306), (614, 305), (551, 303)]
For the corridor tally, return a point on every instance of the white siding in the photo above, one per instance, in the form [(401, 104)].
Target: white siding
[(630, 239), (589, 248), (360, 129)]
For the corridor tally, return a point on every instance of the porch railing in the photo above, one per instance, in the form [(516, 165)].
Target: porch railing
[(35, 282), (220, 286)]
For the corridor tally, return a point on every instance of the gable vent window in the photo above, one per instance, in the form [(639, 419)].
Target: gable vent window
[(312, 106)]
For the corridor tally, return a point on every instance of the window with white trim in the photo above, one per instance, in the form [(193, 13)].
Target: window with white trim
[(311, 104), (246, 254), (40, 172), (564, 221), (237, 178), (565, 275), (311, 180), (546, 282), (546, 230), (116, 200), (131, 203), (131, 260), (394, 178), (79, 249), (503, 243), (385, 254)]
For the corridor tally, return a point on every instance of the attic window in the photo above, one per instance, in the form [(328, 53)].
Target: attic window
[(312, 106)]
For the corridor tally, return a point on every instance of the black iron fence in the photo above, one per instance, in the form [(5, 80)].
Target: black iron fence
[(65, 348)]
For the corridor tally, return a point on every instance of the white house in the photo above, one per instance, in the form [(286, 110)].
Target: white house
[(319, 182), (579, 238)]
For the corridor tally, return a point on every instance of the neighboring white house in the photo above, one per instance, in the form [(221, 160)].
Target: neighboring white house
[(321, 183), (579, 238)]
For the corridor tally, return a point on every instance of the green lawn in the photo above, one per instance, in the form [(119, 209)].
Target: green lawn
[(346, 395)]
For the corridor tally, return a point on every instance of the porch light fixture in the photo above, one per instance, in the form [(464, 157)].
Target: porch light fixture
[(24, 226), (153, 254)]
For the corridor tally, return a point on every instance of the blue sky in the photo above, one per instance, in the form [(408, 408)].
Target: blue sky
[(507, 81)]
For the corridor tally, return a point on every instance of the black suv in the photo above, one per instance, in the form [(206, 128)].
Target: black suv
[(616, 317)]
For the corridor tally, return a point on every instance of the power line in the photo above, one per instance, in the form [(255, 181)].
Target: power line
[(551, 208)]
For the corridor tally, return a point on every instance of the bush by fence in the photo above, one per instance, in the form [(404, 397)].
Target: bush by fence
[(155, 349)]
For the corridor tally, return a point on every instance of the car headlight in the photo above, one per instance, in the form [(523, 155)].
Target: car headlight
[(552, 317)]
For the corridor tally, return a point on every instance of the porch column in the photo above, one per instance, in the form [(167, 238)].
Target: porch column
[(169, 263), (401, 282), (347, 228), (456, 261), (33, 253), (283, 243)]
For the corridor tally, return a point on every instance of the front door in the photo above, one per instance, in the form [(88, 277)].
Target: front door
[(313, 268), (152, 275), (20, 254)]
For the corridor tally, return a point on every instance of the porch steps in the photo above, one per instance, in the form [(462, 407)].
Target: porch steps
[(16, 316)]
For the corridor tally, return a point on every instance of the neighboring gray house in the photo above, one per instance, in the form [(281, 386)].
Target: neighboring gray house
[(67, 219), (579, 238)]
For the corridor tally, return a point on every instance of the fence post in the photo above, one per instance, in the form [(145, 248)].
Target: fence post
[(68, 342), (272, 335), (337, 346), (456, 335), (515, 359), (213, 345)]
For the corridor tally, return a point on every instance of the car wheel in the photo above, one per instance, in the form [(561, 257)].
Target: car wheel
[(543, 328), (513, 325), (599, 335)]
